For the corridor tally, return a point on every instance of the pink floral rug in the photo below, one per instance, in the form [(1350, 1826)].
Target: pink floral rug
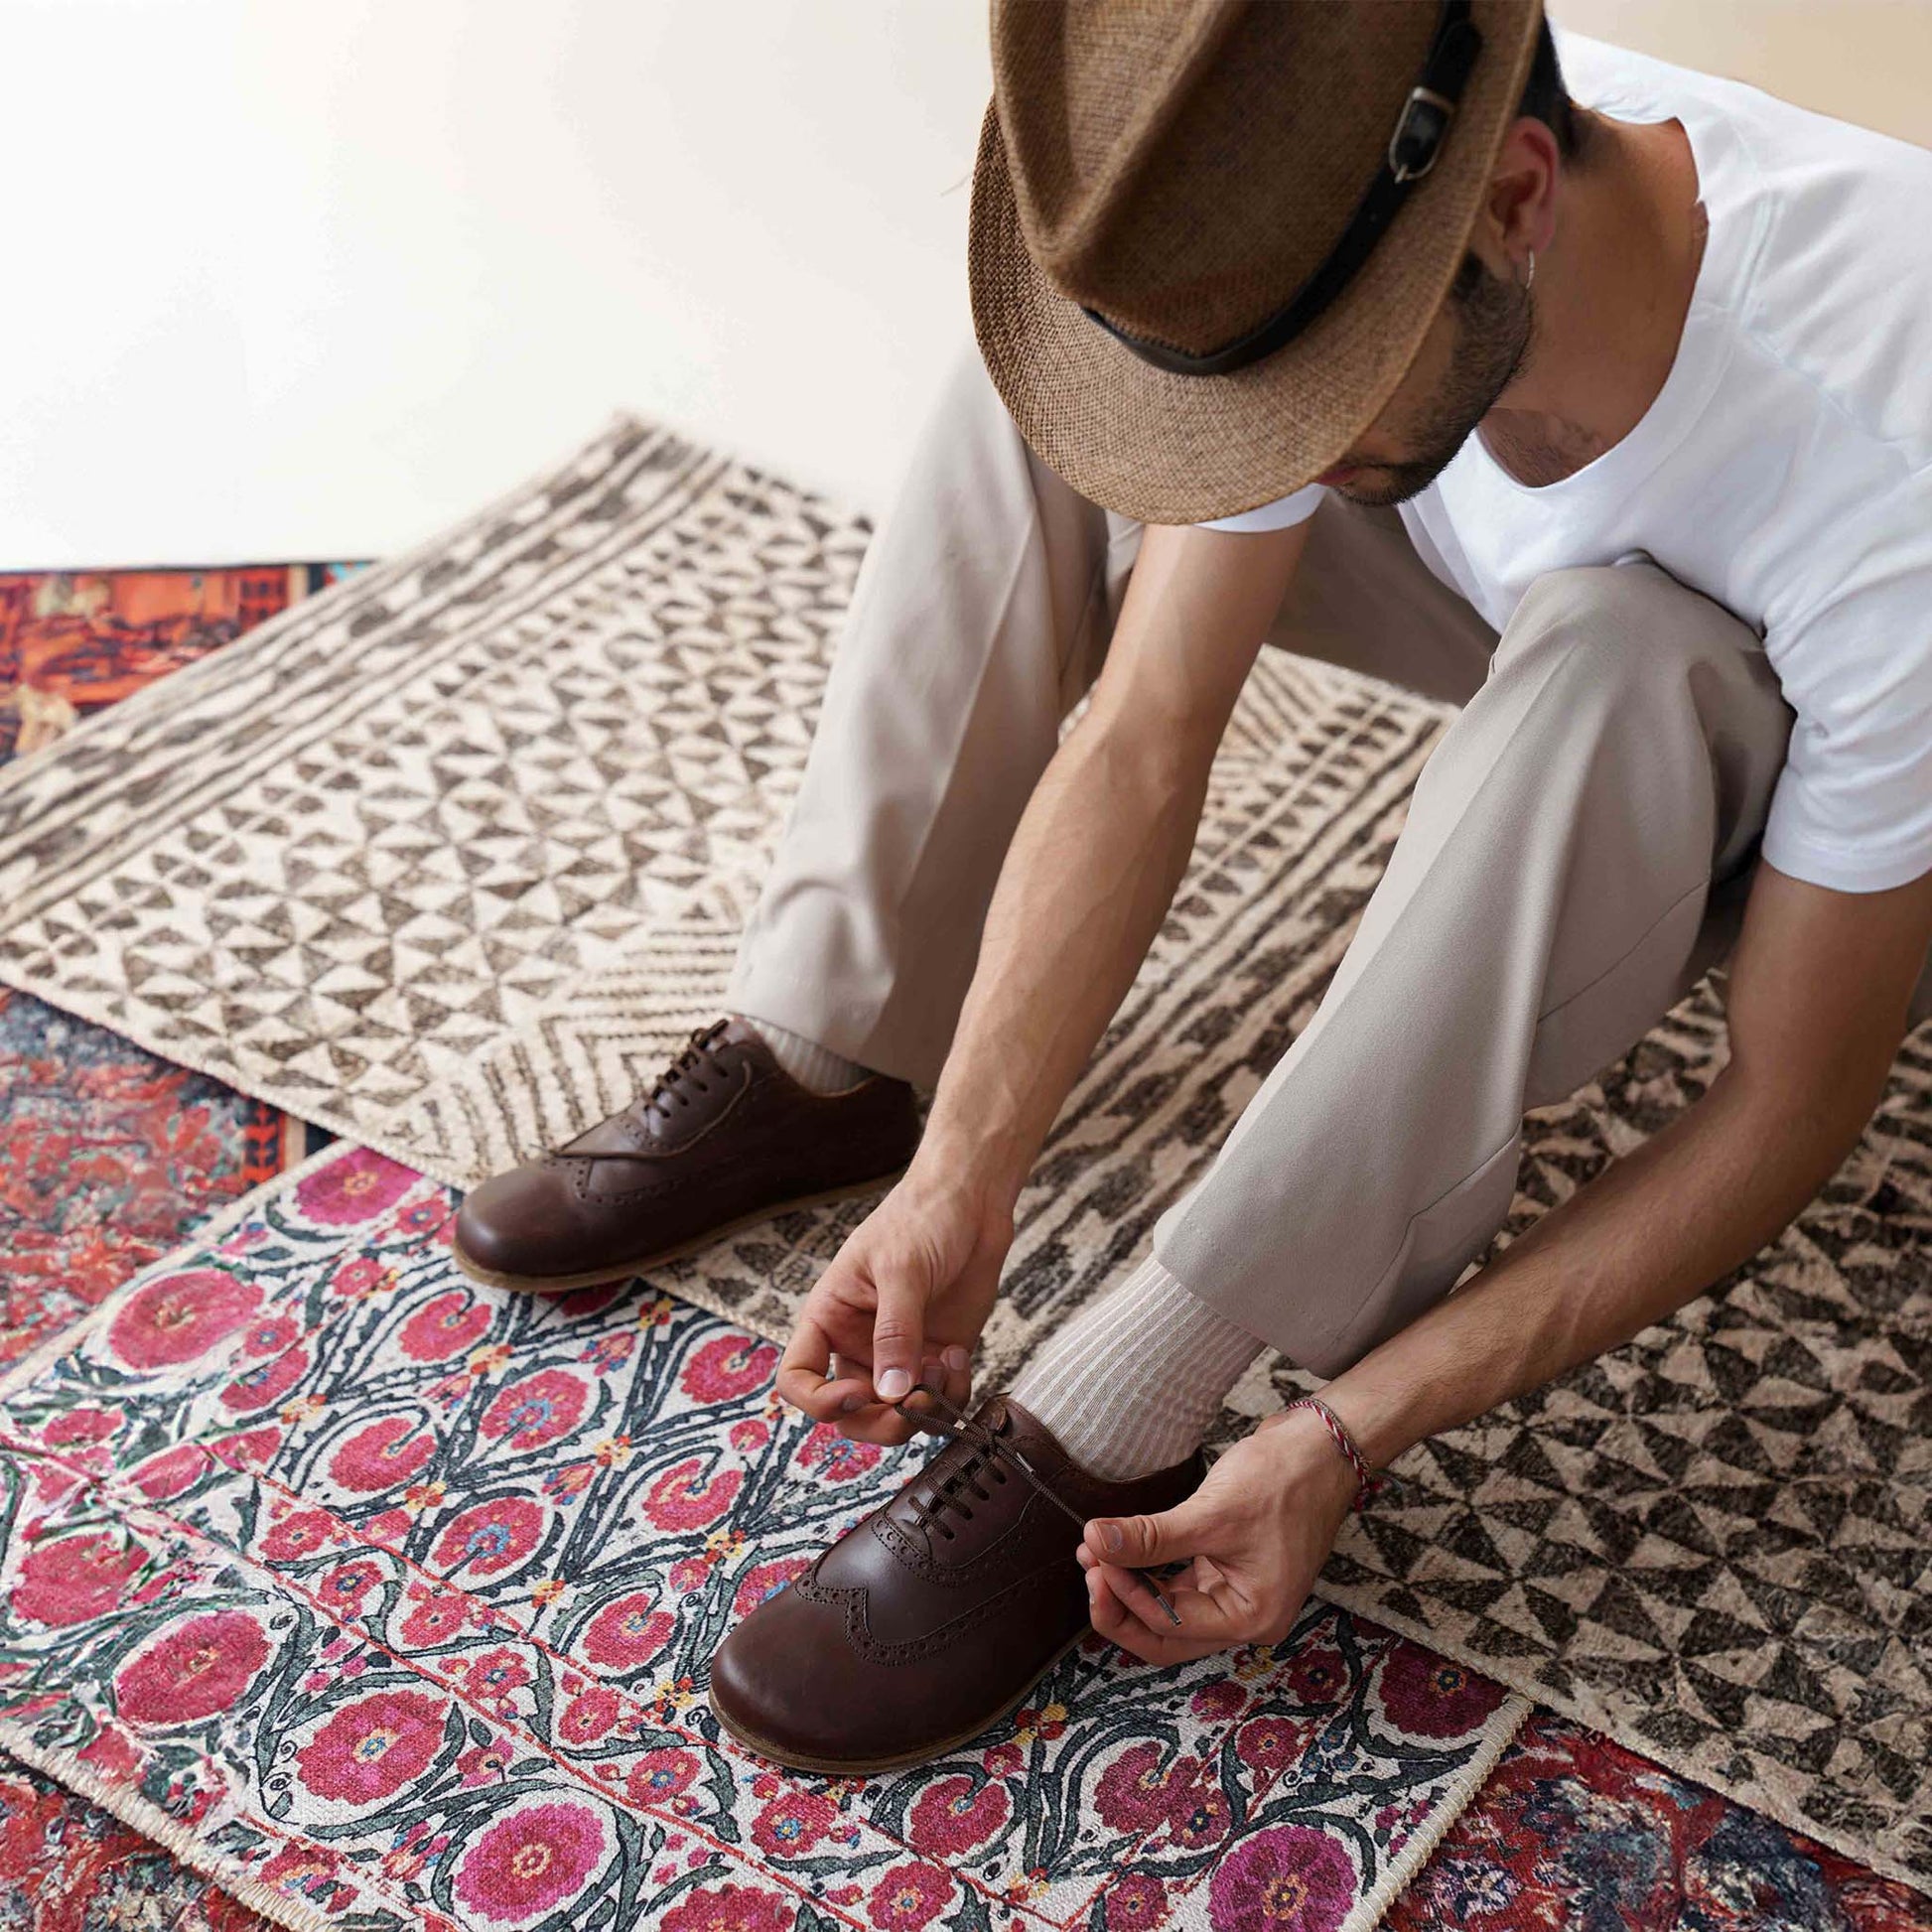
[(386, 1601)]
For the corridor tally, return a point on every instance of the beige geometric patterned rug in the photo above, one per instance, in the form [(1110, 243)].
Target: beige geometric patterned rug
[(449, 859)]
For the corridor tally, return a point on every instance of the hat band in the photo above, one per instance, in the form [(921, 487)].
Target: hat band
[(1413, 147)]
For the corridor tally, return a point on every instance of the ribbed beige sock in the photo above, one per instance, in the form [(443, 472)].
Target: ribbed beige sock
[(1130, 1385), (810, 1063)]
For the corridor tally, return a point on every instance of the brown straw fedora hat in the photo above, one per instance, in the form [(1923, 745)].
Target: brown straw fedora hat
[(1209, 235)]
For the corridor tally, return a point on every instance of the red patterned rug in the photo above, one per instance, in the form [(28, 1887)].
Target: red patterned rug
[(1574, 1834), (109, 1156), (88, 1871), (72, 641)]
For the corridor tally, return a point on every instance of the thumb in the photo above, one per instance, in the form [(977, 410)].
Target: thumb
[(1139, 1541), (897, 1338)]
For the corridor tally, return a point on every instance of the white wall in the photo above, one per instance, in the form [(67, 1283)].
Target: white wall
[(301, 278), (311, 278)]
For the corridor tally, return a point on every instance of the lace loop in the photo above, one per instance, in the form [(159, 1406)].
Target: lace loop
[(669, 1085), (988, 1446)]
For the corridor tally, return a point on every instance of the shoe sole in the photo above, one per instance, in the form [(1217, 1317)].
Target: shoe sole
[(833, 1767), (622, 1270)]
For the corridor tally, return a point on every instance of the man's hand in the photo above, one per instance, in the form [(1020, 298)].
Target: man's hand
[(902, 1303), (1258, 1530)]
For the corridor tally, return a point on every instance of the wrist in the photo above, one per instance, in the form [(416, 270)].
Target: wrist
[(1381, 1423), (969, 1178), (1312, 1469), (990, 1163)]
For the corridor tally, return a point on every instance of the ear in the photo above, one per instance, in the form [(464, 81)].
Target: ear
[(1519, 212)]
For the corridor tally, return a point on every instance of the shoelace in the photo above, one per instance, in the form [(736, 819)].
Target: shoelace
[(669, 1085), (668, 1090), (990, 1445)]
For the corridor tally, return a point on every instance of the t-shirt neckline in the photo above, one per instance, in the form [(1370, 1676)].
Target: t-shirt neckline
[(1703, 347)]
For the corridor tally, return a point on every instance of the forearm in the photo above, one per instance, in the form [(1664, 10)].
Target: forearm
[(1656, 1229), (1092, 868), (1086, 883)]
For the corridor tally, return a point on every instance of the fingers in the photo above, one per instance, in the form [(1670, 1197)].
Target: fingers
[(831, 1389), (898, 1332), (1140, 1542), (956, 1374), (877, 1422), (1153, 1644), (802, 1374)]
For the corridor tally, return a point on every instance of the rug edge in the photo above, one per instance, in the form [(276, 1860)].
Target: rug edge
[(167, 1833), (17, 1375), (1406, 1866), (1884, 1863), (380, 569)]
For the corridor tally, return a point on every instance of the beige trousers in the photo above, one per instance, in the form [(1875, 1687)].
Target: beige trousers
[(1550, 896)]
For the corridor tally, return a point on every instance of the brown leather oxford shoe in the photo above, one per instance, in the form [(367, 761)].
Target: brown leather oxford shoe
[(726, 1137), (931, 1620)]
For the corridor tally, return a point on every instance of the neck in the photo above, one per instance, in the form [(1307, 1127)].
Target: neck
[(1611, 293)]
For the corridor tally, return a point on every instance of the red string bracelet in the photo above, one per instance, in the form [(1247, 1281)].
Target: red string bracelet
[(1368, 1484)]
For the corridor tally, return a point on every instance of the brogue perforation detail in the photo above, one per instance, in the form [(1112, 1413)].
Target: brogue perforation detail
[(852, 1601)]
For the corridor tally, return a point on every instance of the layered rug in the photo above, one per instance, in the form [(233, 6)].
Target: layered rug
[(75, 641), (449, 859), (69, 1866), (108, 1154), (387, 1602), (1574, 1834)]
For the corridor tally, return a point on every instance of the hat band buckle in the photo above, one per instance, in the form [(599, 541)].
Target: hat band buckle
[(1413, 149)]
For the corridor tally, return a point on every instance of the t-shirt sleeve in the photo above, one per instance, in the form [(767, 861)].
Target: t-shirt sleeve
[(1278, 515), (1853, 807)]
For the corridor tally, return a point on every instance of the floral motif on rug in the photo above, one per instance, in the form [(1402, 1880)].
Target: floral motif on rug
[(108, 1159), (389, 1598), (1574, 1834)]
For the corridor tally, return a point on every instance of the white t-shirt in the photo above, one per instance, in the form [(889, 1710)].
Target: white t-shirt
[(1785, 467)]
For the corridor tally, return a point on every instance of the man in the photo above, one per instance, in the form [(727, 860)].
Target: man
[(1649, 376)]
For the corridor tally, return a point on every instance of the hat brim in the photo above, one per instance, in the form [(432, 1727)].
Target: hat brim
[(1182, 449)]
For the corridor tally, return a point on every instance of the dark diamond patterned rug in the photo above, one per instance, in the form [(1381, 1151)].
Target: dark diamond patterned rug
[(449, 857)]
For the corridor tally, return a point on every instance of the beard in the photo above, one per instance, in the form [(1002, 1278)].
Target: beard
[(1493, 323)]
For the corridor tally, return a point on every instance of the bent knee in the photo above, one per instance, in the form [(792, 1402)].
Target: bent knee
[(1616, 624)]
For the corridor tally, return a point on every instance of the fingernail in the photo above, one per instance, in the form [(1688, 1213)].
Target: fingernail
[(852, 1405), (933, 1375), (1110, 1535), (957, 1359), (893, 1383)]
